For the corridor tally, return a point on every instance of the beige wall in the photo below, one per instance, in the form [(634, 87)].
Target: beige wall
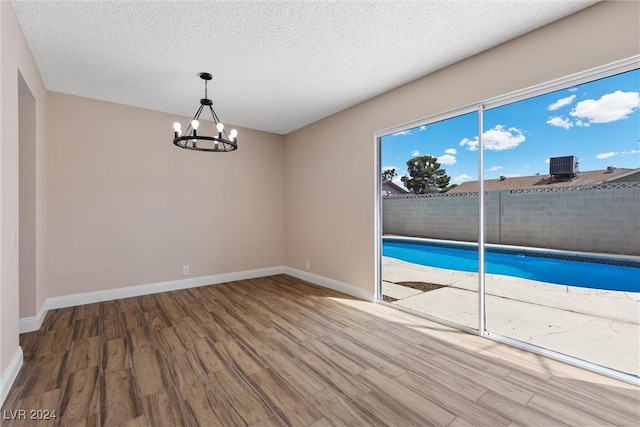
[(17, 59), (329, 165), (126, 207)]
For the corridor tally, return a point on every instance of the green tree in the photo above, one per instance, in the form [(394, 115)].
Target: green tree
[(388, 175), (426, 176)]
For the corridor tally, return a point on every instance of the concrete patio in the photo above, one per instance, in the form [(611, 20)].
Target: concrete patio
[(598, 326)]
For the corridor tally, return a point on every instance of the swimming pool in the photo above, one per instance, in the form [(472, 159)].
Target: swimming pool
[(564, 268)]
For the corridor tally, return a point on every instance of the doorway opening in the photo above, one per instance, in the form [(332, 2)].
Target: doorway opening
[(27, 199)]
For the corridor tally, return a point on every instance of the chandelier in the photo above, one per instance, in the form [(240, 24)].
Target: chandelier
[(191, 139)]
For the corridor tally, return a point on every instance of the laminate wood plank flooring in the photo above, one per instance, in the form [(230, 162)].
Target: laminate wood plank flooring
[(278, 351)]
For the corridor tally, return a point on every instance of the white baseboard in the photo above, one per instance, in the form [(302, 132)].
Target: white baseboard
[(345, 288), (33, 323), (9, 375)]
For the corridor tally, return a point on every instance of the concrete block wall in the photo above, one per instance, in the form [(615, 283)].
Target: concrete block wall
[(603, 218), (451, 218)]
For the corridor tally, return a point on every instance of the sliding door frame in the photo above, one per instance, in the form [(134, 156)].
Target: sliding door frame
[(593, 74)]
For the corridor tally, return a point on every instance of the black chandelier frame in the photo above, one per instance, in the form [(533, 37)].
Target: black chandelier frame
[(189, 140)]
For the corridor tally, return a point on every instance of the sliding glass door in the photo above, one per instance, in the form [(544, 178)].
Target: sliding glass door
[(552, 174), (429, 258), (563, 221)]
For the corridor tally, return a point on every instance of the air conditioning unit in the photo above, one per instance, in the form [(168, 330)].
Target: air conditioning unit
[(566, 166)]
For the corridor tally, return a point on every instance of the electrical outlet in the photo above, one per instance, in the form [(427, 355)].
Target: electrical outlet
[(185, 270), (307, 265)]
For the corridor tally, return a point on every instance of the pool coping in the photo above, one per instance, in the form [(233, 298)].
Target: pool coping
[(587, 301)]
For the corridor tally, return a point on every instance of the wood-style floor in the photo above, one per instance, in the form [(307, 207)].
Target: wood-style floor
[(278, 351)]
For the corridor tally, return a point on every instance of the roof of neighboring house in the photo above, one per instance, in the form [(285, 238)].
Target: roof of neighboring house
[(629, 175), (389, 187), (540, 181)]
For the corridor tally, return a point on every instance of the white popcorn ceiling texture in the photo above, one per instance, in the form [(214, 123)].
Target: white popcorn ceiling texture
[(276, 66)]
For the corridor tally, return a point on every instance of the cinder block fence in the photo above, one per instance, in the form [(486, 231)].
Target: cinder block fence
[(602, 218)]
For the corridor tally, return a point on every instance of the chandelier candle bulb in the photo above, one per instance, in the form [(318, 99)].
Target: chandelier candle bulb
[(194, 141)]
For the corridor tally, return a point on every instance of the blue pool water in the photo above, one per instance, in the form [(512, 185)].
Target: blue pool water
[(570, 269)]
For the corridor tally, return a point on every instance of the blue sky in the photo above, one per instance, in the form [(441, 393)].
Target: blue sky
[(597, 121)]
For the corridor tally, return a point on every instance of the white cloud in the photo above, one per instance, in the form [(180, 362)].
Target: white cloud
[(609, 108), (472, 145), (451, 151), (560, 122), (547, 161), (605, 155), (462, 178), (403, 132), (399, 174), (494, 169), (423, 127), (415, 153), (616, 153), (447, 159), (561, 103), (573, 89), (497, 139), (580, 123)]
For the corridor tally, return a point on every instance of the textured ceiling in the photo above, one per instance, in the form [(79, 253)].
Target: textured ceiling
[(276, 66)]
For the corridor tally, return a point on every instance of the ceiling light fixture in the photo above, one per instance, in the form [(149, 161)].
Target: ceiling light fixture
[(193, 140)]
